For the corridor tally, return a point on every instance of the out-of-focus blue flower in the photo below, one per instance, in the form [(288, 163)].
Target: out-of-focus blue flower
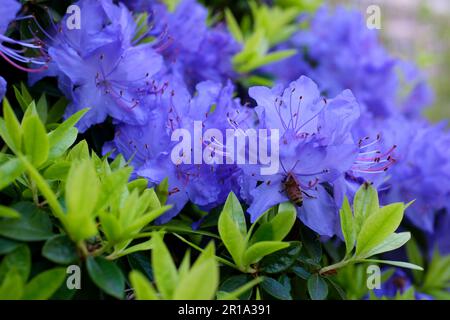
[(193, 51), (440, 238), (339, 52), (2, 88), (422, 169), (316, 146), (8, 12), (398, 283)]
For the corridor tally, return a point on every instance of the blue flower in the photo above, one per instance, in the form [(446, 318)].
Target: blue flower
[(12, 51), (422, 171), (100, 67), (398, 283), (339, 52), (316, 146), (192, 50), (2, 88), (149, 146)]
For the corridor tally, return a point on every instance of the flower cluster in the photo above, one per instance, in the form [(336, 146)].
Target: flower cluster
[(339, 52), (156, 69)]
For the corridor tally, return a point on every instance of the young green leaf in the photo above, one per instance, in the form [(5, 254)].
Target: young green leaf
[(106, 275), (82, 189), (261, 249), (64, 135), (35, 140), (278, 227), (392, 242), (10, 171), (201, 282), (348, 225), (378, 226), (415, 257), (13, 127), (6, 212), (165, 271), (11, 288), (395, 263), (365, 204), (45, 284), (233, 26), (143, 289), (233, 228)]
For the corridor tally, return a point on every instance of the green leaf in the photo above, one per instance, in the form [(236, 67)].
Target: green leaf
[(282, 260), (276, 289), (261, 249), (10, 171), (57, 111), (143, 246), (317, 287), (7, 245), (438, 273), (162, 191), (13, 127), (64, 135), (143, 289), (378, 226), (6, 212), (45, 284), (107, 276), (392, 242), (233, 228), (19, 260), (277, 228), (33, 224), (12, 286), (415, 257), (60, 249), (365, 204), (242, 292), (42, 108), (164, 269), (233, 26), (301, 272), (348, 225), (35, 140), (395, 263), (235, 282), (201, 282), (82, 190)]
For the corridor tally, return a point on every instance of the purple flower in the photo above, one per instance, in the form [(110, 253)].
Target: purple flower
[(192, 50), (2, 88), (422, 172), (339, 52), (316, 147), (150, 146), (100, 67), (12, 51), (398, 283)]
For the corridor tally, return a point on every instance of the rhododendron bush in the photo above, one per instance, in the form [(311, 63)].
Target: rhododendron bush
[(189, 149)]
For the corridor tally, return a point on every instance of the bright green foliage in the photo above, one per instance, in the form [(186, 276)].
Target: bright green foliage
[(196, 282)]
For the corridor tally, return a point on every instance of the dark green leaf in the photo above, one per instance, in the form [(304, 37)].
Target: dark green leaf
[(235, 282), (281, 260), (60, 249), (276, 289), (317, 287), (107, 276), (33, 224), (45, 284), (19, 260)]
